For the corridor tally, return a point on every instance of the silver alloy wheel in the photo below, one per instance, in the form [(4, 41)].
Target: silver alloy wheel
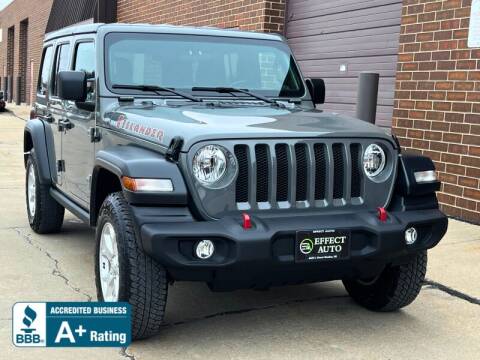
[(109, 266), (31, 191)]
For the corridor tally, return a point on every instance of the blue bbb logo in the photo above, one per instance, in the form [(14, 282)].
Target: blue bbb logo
[(30, 316)]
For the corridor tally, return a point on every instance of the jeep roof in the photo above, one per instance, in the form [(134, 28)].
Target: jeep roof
[(160, 29)]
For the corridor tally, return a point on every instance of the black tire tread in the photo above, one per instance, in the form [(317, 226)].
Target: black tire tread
[(396, 287), (49, 214), (146, 285)]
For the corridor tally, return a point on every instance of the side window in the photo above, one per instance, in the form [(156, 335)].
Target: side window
[(85, 61), (43, 79), (61, 63)]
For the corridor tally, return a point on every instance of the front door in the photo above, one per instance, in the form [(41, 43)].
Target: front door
[(78, 148)]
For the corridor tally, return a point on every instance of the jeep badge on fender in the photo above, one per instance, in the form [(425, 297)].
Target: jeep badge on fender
[(199, 155)]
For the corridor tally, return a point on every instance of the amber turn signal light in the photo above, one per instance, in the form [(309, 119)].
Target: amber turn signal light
[(147, 185)]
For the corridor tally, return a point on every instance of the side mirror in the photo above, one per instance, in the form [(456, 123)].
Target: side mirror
[(317, 90), (72, 85)]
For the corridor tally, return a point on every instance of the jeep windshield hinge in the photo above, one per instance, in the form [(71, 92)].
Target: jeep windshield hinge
[(173, 151)]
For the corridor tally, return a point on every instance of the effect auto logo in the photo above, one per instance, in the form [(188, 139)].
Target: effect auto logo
[(306, 246)]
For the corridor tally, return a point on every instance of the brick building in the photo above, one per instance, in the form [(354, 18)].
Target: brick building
[(430, 78), (23, 25), (253, 15), (437, 99)]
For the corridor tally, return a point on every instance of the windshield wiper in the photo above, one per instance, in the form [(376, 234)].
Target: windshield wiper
[(230, 90), (156, 89)]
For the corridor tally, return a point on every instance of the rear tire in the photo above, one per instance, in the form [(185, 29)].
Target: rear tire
[(141, 281), (45, 214), (395, 288)]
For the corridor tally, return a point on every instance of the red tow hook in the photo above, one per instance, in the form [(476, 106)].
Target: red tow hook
[(247, 222), (382, 214)]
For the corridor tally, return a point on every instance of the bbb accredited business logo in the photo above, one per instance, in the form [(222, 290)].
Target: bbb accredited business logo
[(29, 324), (71, 324)]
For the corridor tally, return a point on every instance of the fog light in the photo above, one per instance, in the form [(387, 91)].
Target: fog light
[(411, 235), (205, 249)]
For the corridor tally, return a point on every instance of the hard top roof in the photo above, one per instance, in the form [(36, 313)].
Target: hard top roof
[(160, 29)]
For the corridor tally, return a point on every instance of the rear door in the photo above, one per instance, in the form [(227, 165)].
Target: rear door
[(78, 150), (55, 107), (43, 111)]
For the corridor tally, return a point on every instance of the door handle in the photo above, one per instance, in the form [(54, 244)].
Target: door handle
[(48, 118), (64, 125)]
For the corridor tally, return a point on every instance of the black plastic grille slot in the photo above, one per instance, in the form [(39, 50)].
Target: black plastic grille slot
[(338, 171), (241, 190), (356, 173), (281, 153), (263, 178), (302, 171), (320, 171)]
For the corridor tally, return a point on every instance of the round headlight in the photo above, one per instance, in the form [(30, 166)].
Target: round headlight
[(373, 160), (213, 166)]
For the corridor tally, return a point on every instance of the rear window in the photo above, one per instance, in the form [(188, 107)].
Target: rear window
[(45, 72)]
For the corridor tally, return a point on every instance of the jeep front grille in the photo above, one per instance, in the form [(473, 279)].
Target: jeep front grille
[(293, 175), (298, 175)]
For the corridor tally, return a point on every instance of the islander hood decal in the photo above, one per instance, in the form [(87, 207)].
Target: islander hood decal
[(198, 122)]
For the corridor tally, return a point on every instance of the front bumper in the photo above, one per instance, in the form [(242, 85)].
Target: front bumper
[(264, 255)]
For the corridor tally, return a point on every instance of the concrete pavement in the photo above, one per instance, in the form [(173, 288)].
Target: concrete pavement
[(311, 321)]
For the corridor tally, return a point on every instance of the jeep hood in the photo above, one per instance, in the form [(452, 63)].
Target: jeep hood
[(195, 123)]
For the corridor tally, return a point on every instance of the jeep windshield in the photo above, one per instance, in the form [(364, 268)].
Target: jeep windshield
[(185, 62)]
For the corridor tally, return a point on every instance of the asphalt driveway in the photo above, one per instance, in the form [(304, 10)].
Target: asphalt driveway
[(308, 322)]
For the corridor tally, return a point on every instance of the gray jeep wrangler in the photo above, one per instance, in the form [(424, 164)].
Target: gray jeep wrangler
[(199, 155)]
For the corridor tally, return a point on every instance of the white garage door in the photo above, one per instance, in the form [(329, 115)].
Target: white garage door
[(338, 39)]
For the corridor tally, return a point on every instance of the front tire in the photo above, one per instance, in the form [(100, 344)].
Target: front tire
[(45, 214), (124, 272), (395, 288)]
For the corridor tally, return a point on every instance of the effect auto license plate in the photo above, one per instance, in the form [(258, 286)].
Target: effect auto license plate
[(322, 245)]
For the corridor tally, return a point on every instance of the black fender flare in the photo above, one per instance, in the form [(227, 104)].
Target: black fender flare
[(410, 163), (137, 162), (42, 142)]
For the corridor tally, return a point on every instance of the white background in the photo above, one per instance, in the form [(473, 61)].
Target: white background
[(40, 322)]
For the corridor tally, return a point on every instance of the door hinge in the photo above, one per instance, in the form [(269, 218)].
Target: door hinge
[(61, 165), (95, 135)]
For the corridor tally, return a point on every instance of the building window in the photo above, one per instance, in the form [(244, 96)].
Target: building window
[(22, 59), (10, 50)]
